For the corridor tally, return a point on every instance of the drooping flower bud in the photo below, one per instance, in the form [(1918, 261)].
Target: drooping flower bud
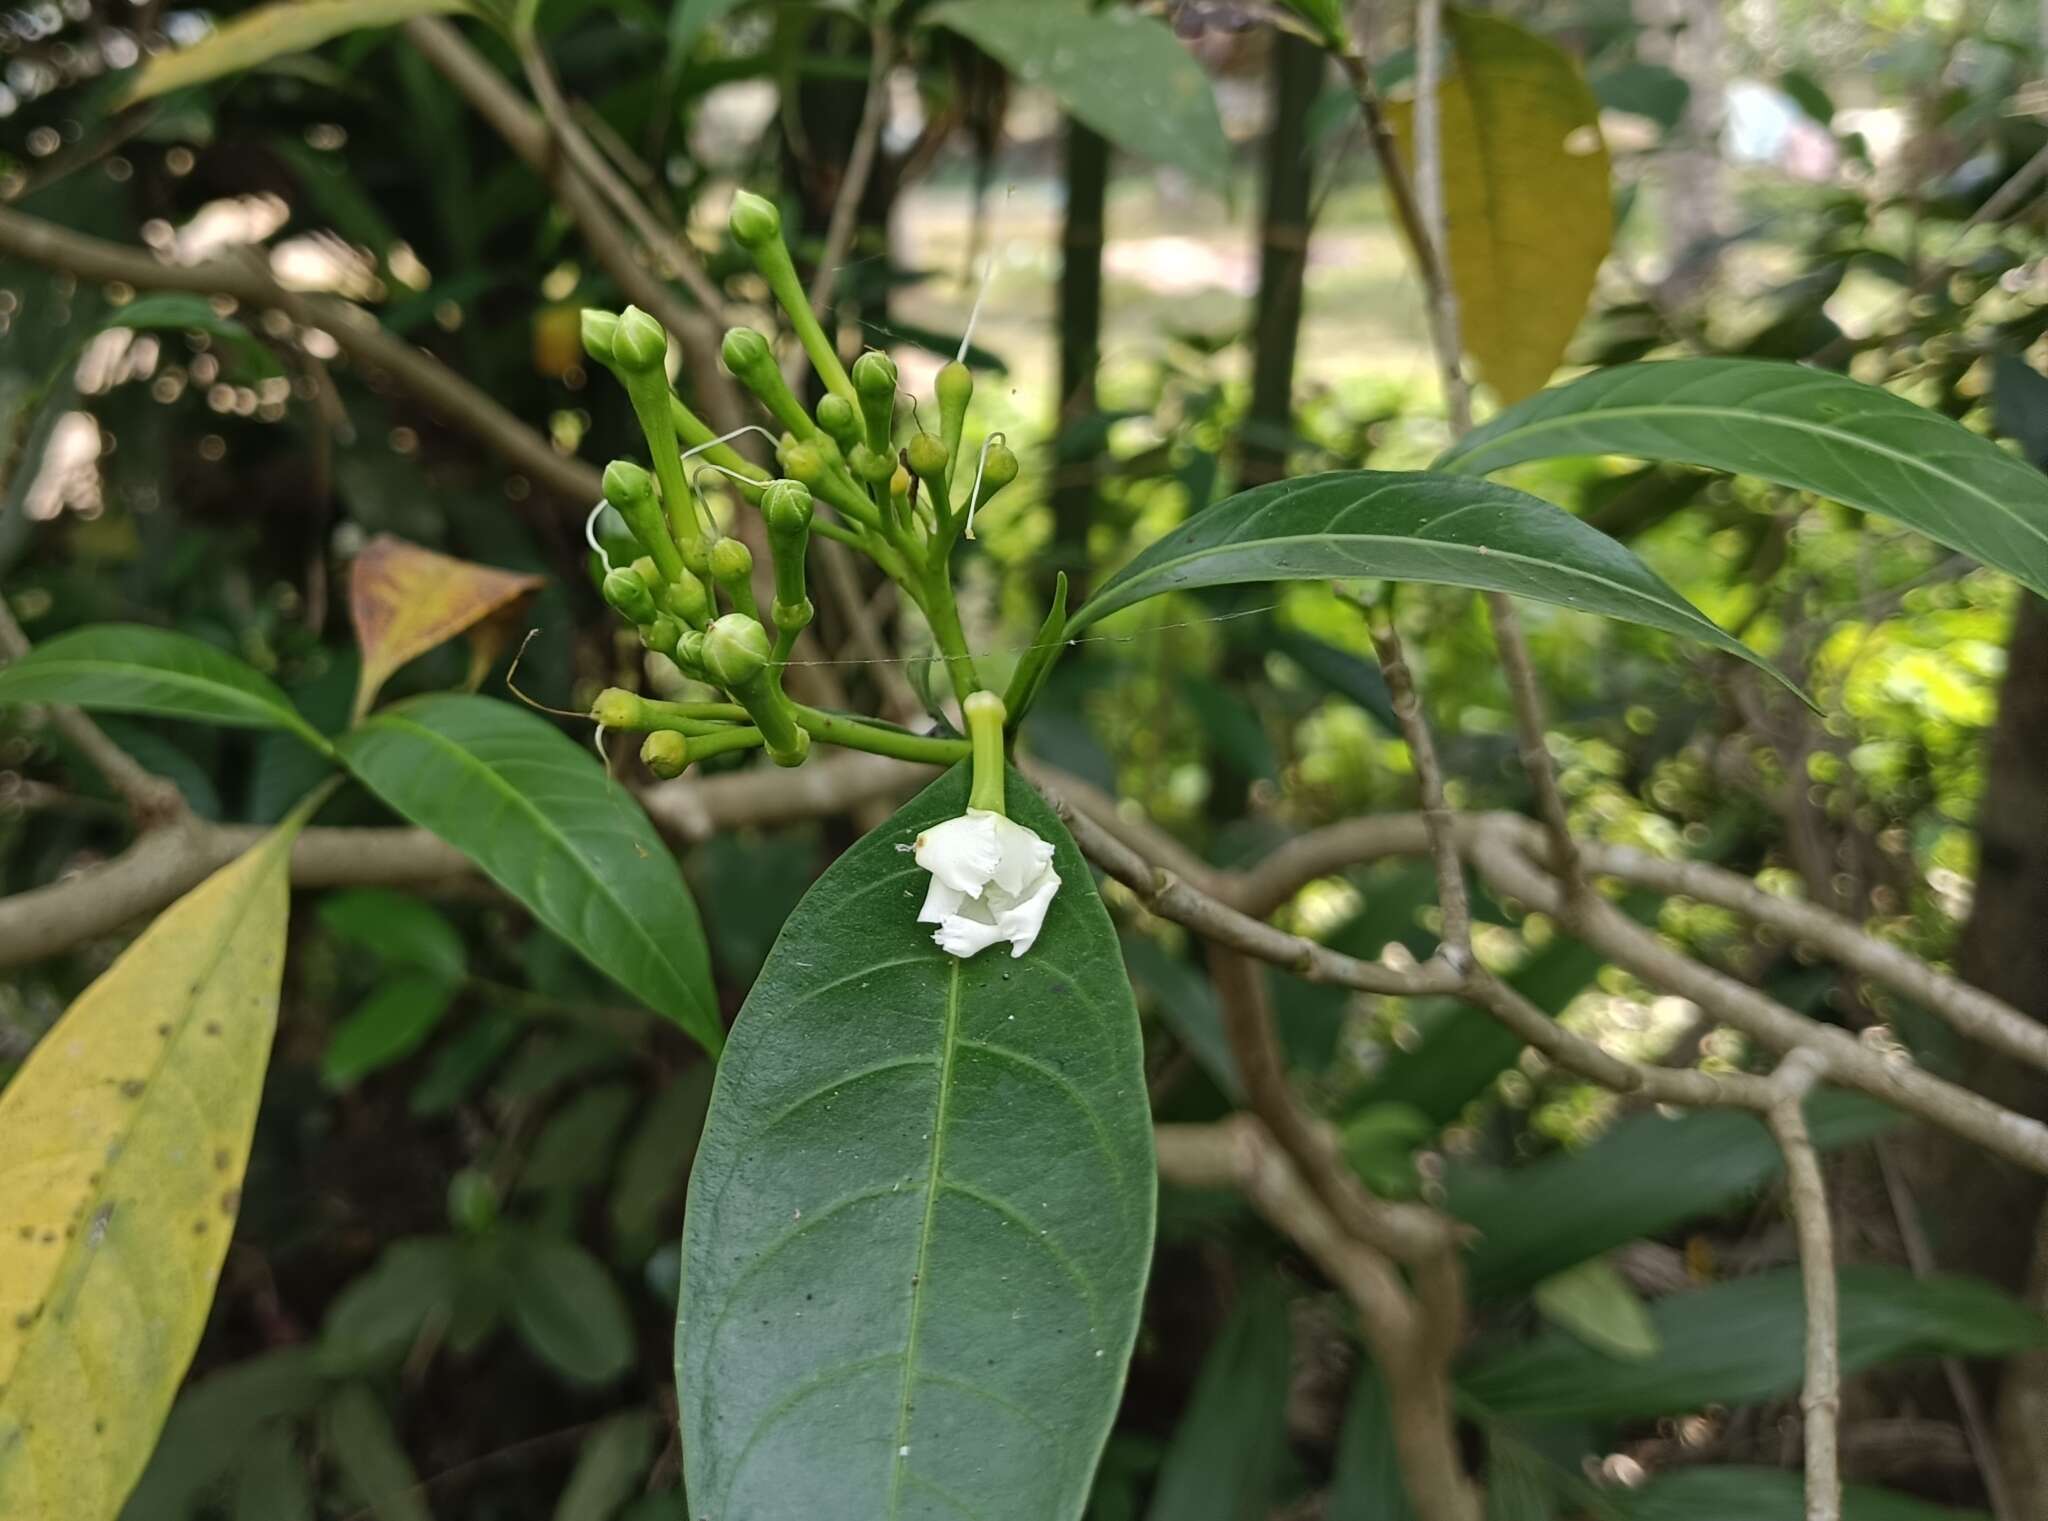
[(630, 490), (665, 753), (627, 595)]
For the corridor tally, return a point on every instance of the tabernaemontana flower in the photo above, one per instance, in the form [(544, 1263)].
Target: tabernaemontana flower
[(992, 879)]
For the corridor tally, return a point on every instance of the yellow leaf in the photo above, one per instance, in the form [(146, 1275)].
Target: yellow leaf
[(1526, 197), (255, 37), (404, 600), (123, 1140)]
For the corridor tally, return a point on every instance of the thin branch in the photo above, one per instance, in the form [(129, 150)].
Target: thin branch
[(1526, 694), (860, 164), (151, 800), (1407, 1233), (444, 392), (1821, 1393), (1431, 228), (1429, 780)]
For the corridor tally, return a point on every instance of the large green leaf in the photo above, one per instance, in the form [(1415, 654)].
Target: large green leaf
[(1124, 74), (1404, 525), (132, 668), (1761, 1494), (255, 37), (1803, 428), (1367, 1483), (1646, 1175), (536, 813), (1527, 202), (921, 1214), (1744, 1341), (1230, 1447)]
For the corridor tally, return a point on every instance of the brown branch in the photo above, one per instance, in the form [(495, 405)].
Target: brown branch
[(151, 800), (444, 392), (166, 863), (1238, 1153), (860, 164), (1526, 694), (1821, 1392)]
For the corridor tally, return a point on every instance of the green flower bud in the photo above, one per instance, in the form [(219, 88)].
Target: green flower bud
[(648, 571), (803, 462), (639, 342), (745, 350), (628, 596), (472, 1201), (617, 708), (600, 328), (927, 456), (627, 486), (685, 598), (736, 650), (665, 753), (998, 470), (689, 653), (731, 561), (870, 465), (954, 388), (754, 220), (839, 420), (662, 635), (630, 489), (899, 483), (793, 617), (874, 374), (787, 507)]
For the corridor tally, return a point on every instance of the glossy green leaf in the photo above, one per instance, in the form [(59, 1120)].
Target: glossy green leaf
[(132, 668), (1803, 428), (566, 1307), (1367, 1483), (1123, 73), (921, 1215), (1743, 1341), (388, 1026), (1597, 1305), (368, 1455), (1401, 525), (1228, 1451), (398, 929), (537, 814), (609, 1469), (1761, 1494), (1643, 1177)]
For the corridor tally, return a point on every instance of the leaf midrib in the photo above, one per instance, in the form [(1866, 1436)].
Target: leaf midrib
[(275, 714), (899, 1461), (548, 827), (1473, 550), (1640, 412)]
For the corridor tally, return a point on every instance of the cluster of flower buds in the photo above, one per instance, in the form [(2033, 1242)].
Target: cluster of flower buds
[(851, 468)]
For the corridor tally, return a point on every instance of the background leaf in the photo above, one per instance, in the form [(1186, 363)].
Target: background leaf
[(1800, 427), (921, 1213), (1367, 1483), (1527, 205), (123, 1140), (1122, 73), (1761, 1494), (1596, 1304), (1742, 1341), (369, 1457), (398, 929), (1230, 1447), (131, 668), (255, 37), (1403, 525), (388, 1026), (609, 1469), (538, 815), (565, 1307), (405, 600)]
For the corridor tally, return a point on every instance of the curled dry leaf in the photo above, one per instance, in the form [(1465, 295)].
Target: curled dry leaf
[(405, 600)]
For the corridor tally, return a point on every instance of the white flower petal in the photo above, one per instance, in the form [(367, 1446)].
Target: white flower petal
[(963, 853), (963, 937), (1024, 856), (1020, 925), (940, 902)]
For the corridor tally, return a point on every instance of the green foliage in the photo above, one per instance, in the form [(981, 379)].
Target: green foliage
[(1226, 1457), (924, 1193)]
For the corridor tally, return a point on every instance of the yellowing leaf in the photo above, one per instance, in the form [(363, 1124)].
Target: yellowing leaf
[(404, 600), (1595, 1303), (123, 1140), (1526, 197), (255, 37)]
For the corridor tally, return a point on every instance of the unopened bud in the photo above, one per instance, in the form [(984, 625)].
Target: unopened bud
[(926, 455), (616, 708), (736, 650), (628, 596), (840, 422), (639, 342), (600, 328), (665, 753), (731, 561), (787, 507), (754, 220)]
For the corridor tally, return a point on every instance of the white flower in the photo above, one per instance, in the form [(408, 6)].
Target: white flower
[(992, 879)]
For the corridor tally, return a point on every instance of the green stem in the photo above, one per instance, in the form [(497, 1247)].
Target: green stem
[(703, 746), (854, 734), (690, 717), (944, 617), (984, 711)]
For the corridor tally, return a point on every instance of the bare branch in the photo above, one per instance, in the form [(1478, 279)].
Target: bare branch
[(1527, 696), (413, 370), (860, 164), (1821, 1394), (1430, 231), (1239, 1153)]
